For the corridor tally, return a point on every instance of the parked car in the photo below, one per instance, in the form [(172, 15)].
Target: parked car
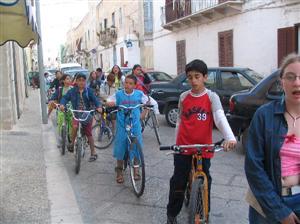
[(69, 66), (223, 80), (244, 104), (157, 76), (73, 71), (126, 70)]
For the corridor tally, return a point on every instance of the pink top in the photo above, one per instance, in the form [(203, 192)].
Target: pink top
[(290, 156)]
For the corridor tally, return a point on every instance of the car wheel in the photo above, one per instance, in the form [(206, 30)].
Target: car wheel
[(171, 115), (244, 138)]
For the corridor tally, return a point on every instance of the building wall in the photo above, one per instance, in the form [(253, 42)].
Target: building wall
[(10, 106), (254, 36)]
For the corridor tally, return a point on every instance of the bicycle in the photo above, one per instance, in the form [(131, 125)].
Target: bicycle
[(102, 131), (196, 194), (81, 140), (65, 131), (134, 157), (150, 115)]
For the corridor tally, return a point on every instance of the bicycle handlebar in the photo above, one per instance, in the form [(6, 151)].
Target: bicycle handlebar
[(87, 112), (122, 107), (178, 149)]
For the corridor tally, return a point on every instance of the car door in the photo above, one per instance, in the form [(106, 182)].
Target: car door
[(230, 83)]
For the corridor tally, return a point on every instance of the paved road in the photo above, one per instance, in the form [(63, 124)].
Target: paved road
[(101, 200)]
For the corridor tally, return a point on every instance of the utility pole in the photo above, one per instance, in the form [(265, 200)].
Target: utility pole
[(41, 65)]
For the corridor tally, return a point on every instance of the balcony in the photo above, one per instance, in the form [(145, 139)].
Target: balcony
[(108, 36), (179, 14)]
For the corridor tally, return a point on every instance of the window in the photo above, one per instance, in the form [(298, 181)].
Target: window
[(101, 27), (234, 81), (120, 17), (211, 79), (275, 89), (148, 16), (113, 19), (105, 24)]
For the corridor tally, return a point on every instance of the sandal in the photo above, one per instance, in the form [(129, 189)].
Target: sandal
[(93, 158), (119, 178), (136, 174), (71, 148)]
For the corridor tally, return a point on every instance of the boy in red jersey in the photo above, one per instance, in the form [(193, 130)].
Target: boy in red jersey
[(198, 108)]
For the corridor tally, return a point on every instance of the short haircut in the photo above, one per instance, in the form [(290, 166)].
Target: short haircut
[(80, 75), (132, 77), (99, 69), (196, 65)]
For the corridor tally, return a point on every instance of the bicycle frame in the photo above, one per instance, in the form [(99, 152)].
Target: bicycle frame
[(197, 166)]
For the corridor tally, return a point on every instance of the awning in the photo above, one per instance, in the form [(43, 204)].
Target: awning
[(17, 22)]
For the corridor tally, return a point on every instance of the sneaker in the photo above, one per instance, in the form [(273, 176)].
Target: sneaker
[(172, 220)]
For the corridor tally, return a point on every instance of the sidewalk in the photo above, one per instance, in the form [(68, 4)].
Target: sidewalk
[(34, 187)]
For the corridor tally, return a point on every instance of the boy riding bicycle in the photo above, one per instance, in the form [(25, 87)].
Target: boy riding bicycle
[(82, 98), (128, 97), (199, 108), (55, 99)]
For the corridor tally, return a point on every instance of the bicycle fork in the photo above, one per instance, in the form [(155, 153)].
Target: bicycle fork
[(196, 173)]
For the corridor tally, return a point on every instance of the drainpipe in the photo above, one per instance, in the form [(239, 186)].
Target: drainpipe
[(25, 73), (16, 82), (41, 66)]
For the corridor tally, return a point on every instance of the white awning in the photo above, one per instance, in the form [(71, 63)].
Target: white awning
[(17, 22)]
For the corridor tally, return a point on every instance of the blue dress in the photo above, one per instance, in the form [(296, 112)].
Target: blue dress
[(128, 100)]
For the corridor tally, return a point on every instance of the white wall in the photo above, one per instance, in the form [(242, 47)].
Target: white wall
[(254, 39)]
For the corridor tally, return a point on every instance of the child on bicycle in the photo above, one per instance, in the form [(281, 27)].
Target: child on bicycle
[(199, 108), (129, 96), (82, 98), (55, 99)]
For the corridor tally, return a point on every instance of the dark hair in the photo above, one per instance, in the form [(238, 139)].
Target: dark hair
[(111, 77), (196, 65), (90, 77), (63, 78), (135, 67), (119, 73), (99, 70), (58, 72), (290, 59), (80, 75), (132, 77)]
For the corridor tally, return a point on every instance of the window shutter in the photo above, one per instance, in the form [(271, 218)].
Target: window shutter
[(225, 48), (286, 42), (181, 57)]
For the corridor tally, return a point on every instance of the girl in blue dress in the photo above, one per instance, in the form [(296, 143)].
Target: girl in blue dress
[(129, 97)]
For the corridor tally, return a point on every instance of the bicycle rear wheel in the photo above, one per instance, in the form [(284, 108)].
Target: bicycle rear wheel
[(78, 154), (197, 213), (103, 136), (63, 139), (137, 168), (155, 126)]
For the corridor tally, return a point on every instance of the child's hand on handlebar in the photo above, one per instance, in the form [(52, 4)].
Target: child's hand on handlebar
[(62, 108), (229, 145), (99, 110), (110, 104)]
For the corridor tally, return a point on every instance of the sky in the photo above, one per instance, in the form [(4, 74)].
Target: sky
[(56, 17)]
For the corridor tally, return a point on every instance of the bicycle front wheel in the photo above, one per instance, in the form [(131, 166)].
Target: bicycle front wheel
[(103, 136), (63, 139), (197, 202), (137, 168), (155, 126), (78, 154)]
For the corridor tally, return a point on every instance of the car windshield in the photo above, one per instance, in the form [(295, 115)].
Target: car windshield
[(254, 75), (73, 72), (159, 76)]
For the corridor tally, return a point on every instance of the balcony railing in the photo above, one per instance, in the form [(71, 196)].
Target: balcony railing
[(180, 9), (107, 36)]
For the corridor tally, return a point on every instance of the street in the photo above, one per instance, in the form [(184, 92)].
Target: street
[(51, 192), (101, 200)]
